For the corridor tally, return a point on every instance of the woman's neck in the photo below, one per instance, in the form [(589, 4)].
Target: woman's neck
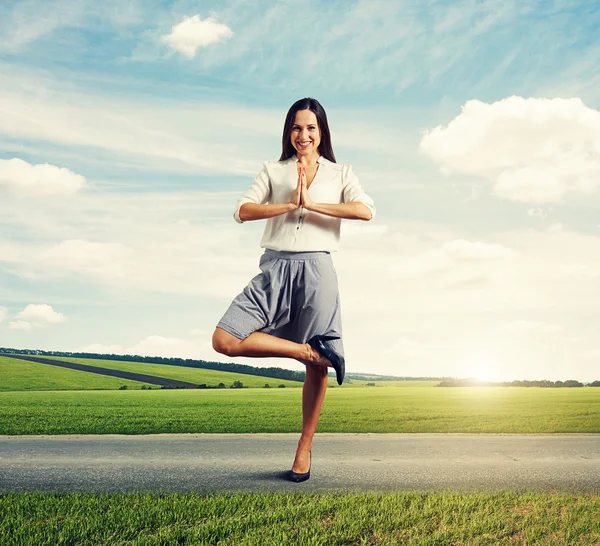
[(308, 161)]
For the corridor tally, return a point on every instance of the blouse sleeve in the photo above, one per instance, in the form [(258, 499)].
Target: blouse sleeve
[(352, 190), (258, 192)]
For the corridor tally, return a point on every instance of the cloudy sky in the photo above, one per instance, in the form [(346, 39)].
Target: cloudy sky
[(128, 129)]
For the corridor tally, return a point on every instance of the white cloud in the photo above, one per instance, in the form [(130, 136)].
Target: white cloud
[(94, 259), (3, 313), (156, 345), (192, 33), (531, 150), (165, 243), (197, 333), (137, 131), (19, 325), (25, 179), (98, 348), (40, 315), (552, 228), (454, 262), (537, 212)]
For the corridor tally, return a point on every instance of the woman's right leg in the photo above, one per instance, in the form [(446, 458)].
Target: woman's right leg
[(260, 345)]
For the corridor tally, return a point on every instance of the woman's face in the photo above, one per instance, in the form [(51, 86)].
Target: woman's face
[(306, 135)]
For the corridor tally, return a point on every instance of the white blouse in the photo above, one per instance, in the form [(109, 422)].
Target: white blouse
[(302, 230)]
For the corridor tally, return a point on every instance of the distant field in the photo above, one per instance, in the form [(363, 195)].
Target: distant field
[(19, 375), (214, 377), (395, 383), (392, 409)]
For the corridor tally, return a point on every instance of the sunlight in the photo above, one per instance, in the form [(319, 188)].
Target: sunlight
[(483, 366)]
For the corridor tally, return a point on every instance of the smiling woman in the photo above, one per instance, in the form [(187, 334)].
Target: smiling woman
[(291, 309)]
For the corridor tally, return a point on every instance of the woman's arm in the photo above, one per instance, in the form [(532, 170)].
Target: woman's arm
[(353, 210), (350, 211), (256, 211)]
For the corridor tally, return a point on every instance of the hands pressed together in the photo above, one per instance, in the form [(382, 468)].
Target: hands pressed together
[(300, 196)]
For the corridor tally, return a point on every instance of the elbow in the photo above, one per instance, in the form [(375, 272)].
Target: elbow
[(241, 215), (367, 213)]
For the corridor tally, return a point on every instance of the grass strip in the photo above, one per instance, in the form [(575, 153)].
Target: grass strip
[(407, 518), (395, 409)]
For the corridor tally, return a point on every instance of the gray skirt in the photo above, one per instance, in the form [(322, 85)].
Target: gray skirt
[(295, 297)]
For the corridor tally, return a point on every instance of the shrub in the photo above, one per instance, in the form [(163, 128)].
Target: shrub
[(281, 386), (267, 386)]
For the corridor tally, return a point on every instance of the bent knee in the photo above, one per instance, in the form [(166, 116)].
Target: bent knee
[(225, 343)]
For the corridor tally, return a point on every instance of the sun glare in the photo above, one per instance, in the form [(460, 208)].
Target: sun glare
[(483, 367)]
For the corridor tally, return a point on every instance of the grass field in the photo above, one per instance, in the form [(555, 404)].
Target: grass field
[(22, 375), (403, 518), (214, 377), (393, 409), (43, 399)]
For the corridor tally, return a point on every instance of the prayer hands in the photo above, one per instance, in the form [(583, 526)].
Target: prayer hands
[(305, 199)]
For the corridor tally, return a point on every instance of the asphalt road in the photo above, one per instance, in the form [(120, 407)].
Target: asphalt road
[(341, 462)]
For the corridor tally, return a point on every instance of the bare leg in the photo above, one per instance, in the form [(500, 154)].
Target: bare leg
[(313, 394), (259, 344)]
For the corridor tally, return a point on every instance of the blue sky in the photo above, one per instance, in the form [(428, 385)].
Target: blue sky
[(129, 129)]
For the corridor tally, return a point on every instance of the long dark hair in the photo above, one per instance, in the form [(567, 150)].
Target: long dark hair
[(325, 148)]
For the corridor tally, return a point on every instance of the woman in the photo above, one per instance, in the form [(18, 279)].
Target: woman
[(291, 309)]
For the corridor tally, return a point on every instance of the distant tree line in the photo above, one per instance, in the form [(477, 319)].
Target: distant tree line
[(276, 373), (359, 377), (518, 383)]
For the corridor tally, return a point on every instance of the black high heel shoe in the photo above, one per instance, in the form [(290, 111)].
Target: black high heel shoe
[(339, 365), (296, 477)]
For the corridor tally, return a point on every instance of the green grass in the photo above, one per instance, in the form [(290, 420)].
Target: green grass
[(358, 410), (416, 383), (401, 518), (19, 375)]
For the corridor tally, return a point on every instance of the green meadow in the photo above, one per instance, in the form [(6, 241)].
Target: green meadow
[(401, 518), (44, 399), (20, 375)]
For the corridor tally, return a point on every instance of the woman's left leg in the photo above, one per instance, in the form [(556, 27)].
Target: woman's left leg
[(317, 299), (313, 394)]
